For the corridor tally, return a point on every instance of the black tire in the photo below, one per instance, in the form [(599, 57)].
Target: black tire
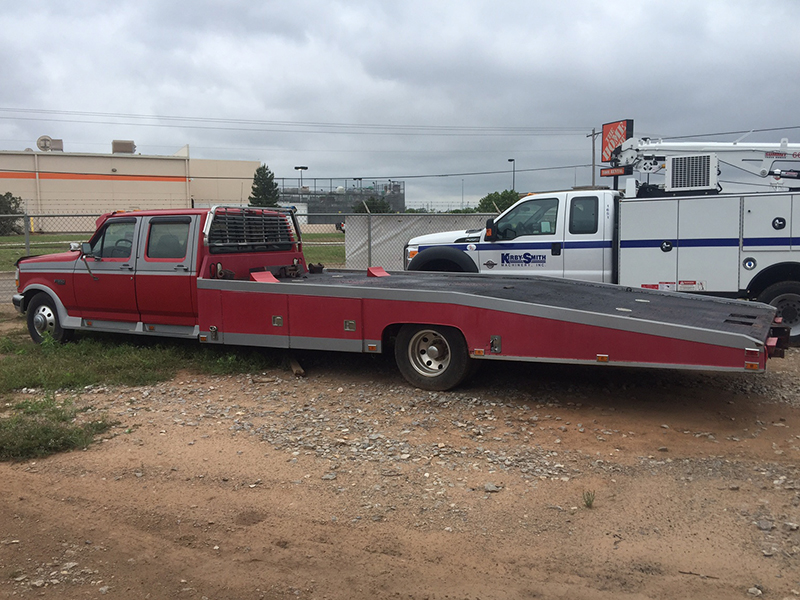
[(443, 259), (432, 357), (785, 296), (43, 319)]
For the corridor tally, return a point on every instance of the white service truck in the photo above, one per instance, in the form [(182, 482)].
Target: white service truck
[(682, 236)]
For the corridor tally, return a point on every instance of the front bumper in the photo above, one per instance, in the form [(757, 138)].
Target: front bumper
[(18, 300)]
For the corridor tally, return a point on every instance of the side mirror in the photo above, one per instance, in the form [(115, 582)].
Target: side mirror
[(86, 249), (491, 231)]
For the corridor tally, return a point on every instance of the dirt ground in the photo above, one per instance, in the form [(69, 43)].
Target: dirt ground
[(349, 484)]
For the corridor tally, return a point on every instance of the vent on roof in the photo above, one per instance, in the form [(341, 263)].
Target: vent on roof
[(696, 172), (47, 144), (123, 147)]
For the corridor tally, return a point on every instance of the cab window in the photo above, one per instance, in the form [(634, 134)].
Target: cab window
[(168, 239), (535, 217), (115, 241), (583, 215)]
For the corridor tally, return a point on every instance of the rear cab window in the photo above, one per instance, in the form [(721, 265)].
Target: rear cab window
[(168, 238), (583, 213)]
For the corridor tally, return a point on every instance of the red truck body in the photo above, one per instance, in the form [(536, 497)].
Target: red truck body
[(238, 276)]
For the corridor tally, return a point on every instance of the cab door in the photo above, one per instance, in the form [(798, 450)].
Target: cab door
[(166, 270), (104, 282), (587, 252), (530, 240)]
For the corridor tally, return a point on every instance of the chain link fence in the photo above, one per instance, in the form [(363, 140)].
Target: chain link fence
[(352, 241)]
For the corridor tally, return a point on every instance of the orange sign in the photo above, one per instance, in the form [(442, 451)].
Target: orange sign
[(614, 171), (613, 135)]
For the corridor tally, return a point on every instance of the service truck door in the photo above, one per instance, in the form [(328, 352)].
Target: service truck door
[(587, 253), (708, 248), (108, 293), (767, 223), (165, 271), (648, 239), (530, 240)]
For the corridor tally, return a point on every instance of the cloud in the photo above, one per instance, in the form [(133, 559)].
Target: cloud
[(266, 81)]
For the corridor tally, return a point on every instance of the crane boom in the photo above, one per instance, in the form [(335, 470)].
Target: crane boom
[(646, 155)]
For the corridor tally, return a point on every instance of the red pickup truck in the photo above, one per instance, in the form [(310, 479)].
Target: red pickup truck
[(233, 275)]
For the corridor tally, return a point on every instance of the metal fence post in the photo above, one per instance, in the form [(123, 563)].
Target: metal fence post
[(369, 239), (27, 227)]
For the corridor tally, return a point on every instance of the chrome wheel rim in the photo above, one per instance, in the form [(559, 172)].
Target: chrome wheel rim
[(44, 320), (429, 353)]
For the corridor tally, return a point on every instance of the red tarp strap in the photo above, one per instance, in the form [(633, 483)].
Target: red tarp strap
[(264, 276)]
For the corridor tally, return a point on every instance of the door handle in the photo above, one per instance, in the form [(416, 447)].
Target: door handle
[(181, 268), (126, 266), (555, 249)]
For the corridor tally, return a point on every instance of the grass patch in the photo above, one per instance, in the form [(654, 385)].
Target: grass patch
[(107, 359), (325, 248), (40, 427), (12, 247), (328, 255), (43, 427), (588, 498)]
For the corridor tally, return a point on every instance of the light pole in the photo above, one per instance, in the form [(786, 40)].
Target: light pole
[(513, 173), (301, 169)]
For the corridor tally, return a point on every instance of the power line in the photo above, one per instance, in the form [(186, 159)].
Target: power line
[(308, 127), (742, 132)]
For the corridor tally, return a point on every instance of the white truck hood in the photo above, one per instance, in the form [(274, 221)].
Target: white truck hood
[(445, 237)]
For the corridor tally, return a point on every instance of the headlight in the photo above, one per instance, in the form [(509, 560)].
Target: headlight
[(411, 252)]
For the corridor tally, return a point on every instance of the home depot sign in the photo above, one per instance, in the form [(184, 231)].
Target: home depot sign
[(614, 134)]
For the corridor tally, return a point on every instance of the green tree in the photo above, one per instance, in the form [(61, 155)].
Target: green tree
[(497, 201), (265, 191), (375, 205), (10, 205)]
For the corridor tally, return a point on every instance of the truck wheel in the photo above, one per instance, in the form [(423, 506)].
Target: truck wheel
[(43, 319), (432, 357), (444, 259), (785, 296)]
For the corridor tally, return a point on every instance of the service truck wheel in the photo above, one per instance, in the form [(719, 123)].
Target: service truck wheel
[(432, 357), (43, 320), (785, 296)]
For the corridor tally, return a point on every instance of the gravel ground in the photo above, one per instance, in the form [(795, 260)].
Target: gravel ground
[(530, 481)]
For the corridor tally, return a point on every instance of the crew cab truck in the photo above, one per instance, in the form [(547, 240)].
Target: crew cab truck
[(688, 238), (232, 275)]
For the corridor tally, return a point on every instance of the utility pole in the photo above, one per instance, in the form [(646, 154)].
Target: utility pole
[(593, 135)]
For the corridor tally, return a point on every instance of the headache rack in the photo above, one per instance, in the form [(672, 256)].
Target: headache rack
[(232, 229)]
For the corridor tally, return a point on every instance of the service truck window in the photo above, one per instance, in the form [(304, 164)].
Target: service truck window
[(167, 240), (535, 217), (116, 240), (583, 215)]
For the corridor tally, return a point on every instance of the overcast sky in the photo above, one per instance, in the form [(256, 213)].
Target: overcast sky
[(399, 90)]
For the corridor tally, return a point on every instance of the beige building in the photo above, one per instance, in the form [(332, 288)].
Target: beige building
[(55, 182)]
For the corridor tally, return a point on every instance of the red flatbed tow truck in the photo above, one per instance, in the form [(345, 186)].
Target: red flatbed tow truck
[(232, 275)]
